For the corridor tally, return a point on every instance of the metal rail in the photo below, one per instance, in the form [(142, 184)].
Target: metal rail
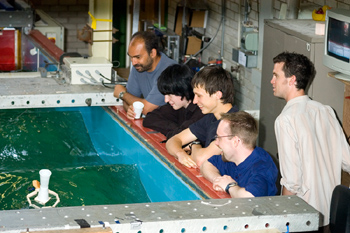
[(213, 215)]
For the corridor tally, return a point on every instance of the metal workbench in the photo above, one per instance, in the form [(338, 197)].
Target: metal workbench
[(260, 214), (29, 90)]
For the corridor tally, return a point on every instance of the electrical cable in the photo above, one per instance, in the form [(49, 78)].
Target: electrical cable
[(92, 78), (111, 82), (90, 83), (116, 65), (99, 73), (83, 81), (104, 84), (206, 46)]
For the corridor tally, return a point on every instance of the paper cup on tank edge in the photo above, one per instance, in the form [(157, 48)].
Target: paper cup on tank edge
[(138, 107)]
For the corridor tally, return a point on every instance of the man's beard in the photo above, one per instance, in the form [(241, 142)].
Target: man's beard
[(142, 68)]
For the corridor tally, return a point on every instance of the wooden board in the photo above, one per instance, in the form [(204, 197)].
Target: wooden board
[(178, 20), (193, 45), (198, 19)]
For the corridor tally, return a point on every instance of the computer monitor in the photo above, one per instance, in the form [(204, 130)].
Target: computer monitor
[(337, 42)]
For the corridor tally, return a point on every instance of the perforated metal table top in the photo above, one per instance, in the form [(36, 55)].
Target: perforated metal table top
[(29, 90)]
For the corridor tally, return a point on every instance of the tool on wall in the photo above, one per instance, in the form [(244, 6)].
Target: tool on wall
[(86, 35)]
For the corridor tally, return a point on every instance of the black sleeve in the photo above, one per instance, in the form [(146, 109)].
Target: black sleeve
[(196, 115), (163, 119)]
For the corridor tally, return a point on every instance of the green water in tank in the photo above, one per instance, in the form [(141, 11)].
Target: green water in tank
[(35, 139)]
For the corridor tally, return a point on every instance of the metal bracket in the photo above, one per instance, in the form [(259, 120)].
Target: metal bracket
[(86, 35)]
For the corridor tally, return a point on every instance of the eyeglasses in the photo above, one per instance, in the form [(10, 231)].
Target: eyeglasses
[(218, 137)]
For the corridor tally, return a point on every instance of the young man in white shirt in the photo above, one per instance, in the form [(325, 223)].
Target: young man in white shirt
[(312, 147)]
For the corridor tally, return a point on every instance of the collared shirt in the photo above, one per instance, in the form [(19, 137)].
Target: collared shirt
[(312, 151), (257, 173), (144, 84), (205, 128)]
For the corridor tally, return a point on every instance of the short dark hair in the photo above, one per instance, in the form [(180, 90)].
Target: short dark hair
[(176, 80), (213, 79), (150, 39), (242, 125), (298, 65)]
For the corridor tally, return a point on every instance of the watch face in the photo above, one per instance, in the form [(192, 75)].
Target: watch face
[(229, 186), (121, 94), (232, 184)]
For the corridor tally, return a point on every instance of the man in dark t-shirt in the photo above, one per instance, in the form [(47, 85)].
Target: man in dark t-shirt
[(214, 94)]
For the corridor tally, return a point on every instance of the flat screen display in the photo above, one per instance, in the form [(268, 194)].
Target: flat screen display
[(338, 41)]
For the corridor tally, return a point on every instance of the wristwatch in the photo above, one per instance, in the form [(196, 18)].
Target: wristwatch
[(121, 95), (196, 142), (232, 184)]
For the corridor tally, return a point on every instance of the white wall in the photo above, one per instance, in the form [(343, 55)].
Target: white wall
[(102, 10), (247, 87)]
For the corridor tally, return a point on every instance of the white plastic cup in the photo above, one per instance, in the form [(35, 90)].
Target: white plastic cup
[(43, 195), (138, 107)]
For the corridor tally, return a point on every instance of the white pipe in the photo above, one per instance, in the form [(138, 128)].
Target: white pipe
[(43, 195), (223, 28)]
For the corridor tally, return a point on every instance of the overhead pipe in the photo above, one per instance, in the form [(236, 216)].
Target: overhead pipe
[(223, 6)]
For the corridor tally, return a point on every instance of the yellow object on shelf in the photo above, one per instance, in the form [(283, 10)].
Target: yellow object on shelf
[(320, 14)]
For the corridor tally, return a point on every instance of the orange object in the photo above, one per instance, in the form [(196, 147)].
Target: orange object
[(36, 184)]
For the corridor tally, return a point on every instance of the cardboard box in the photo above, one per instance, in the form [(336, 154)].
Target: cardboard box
[(193, 45)]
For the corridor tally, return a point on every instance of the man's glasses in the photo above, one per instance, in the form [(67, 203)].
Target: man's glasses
[(218, 137)]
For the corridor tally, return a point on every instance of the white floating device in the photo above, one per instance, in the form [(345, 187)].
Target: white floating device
[(42, 190), (43, 195)]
